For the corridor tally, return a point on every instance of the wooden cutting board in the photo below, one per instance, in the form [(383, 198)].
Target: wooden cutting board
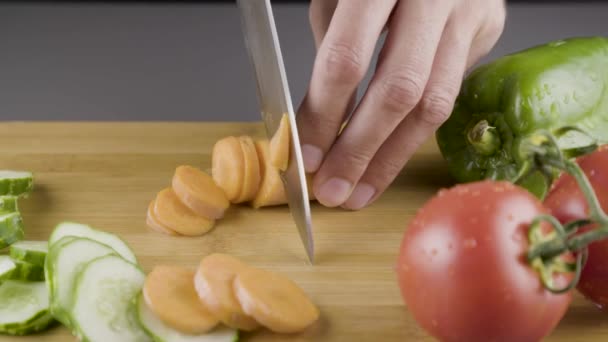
[(105, 175)]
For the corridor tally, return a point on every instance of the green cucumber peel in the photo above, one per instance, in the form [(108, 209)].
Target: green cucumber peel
[(11, 229), (7, 267), (8, 204), (33, 252), (27, 272), (16, 183)]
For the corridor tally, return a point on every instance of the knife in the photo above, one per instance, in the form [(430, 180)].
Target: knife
[(262, 43)]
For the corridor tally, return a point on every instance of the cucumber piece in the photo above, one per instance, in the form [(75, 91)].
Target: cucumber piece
[(8, 204), (33, 252), (27, 272), (23, 305), (160, 332), (66, 259), (7, 267), (40, 324), (16, 183), (11, 229), (82, 230), (102, 308), (48, 266)]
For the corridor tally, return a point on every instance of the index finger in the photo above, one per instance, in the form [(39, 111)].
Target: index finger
[(341, 63)]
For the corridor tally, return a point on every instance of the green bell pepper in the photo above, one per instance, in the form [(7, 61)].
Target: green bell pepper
[(503, 105)]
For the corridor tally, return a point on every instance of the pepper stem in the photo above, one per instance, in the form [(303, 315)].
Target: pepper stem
[(484, 138)]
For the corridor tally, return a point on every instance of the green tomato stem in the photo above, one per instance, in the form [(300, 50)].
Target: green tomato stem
[(484, 138)]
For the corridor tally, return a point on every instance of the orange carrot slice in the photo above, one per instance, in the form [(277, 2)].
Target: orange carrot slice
[(199, 192), (251, 170), (213, 283), (274, 301), (280, 144), (173, 214), (228, 165), (169, 292), (272, 190), (153, 223)]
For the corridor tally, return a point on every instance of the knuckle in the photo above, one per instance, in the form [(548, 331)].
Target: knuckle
[(318, 126), (436, 108), (385, 171), (343, 64), (355, 158), (401, 91)]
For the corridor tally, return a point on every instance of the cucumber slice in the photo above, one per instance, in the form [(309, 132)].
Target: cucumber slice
[(11, 229), (8, 204), (160, 332), (16, 183), (33, 252), (48, 264), (65, 260), (102, 308), (81, 230), (23, 305), (27, 272), (40, 324), (7, 267)]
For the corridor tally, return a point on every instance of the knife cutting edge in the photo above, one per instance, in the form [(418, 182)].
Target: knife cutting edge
[(262, 43)]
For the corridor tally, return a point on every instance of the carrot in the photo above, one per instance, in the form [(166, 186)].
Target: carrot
[(153, 223), (280, 144), (199, 192), (272, 191), (213, 283), (251, 170), (169, 292), (274, 301), (227, 166), (173, 214)]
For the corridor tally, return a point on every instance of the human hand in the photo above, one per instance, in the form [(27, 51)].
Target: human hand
[(429, 46)]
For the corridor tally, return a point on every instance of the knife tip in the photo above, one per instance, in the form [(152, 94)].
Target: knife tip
[(311, 255)]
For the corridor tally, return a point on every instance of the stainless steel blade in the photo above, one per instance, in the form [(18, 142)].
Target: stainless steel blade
[(262, 42)]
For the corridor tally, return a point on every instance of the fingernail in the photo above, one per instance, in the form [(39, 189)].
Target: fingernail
[(334, 192), (362, 194), (312, 158)]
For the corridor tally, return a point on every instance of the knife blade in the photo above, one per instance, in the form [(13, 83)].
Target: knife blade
[(263, 48)]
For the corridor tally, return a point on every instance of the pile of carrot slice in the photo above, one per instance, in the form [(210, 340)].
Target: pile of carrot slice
[(244, 171), (225, 290)]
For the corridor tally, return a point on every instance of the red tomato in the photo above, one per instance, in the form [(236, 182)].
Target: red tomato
[(462, 268), (567, 203)]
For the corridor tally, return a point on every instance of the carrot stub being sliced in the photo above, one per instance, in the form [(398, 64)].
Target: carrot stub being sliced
[(280, 144), (274, 301), (272, 190), (153, 223), (228, 165), (251, 171), (213, 282), (173, 214), (169, 292), (198, 191)]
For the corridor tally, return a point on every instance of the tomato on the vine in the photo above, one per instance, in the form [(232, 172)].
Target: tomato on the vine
[(567, 203), (462, 268)]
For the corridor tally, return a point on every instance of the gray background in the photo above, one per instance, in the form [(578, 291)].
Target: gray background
[(183, 61)]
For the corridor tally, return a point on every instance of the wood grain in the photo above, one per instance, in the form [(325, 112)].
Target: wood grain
[(105, 174)]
